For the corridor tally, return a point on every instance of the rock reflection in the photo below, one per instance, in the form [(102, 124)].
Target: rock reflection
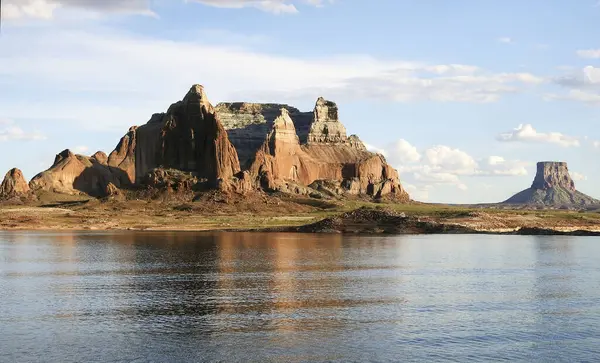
[(273, 277), (179, 297)]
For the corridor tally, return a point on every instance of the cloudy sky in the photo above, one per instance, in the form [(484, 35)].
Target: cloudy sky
[(462, 96)]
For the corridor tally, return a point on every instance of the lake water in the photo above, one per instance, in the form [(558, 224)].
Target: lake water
[(241, 297)]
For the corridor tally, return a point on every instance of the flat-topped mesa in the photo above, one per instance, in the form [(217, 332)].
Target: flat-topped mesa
[(13, 185), (552, 174), (326, 127), (552, 187)]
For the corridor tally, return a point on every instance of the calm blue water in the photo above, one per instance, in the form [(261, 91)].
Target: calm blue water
[(238, 297)]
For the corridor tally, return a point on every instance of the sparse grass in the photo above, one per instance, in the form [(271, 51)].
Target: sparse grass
[(258, 213)]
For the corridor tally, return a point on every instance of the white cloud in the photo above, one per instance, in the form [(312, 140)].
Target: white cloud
[(505, 40), (434, 176), (498, 166), (443, 165), (128, 68), (272, 6), (44, 9), (589, 53), (80, 149), (422, 84), (586, 77), (10, 132), (420, 193), (526, 133), (577, 95), (450, 160), (596, 144), (402, 152), (577, 176), (375, 149), (583, 86)]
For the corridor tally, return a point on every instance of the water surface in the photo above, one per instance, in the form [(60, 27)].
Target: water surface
[(189, 297)]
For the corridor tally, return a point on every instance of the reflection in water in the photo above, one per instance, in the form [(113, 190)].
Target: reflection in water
[(175, 297)]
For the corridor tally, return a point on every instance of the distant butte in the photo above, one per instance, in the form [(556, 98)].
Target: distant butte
[(552, 187)]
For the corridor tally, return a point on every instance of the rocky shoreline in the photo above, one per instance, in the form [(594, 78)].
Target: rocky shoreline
[(279, 214), (373, 221)]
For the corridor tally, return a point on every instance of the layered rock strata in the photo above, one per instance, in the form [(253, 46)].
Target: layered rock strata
[(553, 174), (247, 124), (188, 137), (283, 163), (552, 187), (280, 148), (326, 127)]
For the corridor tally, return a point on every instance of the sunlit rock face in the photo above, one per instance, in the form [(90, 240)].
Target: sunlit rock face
[(75, 174), (234, 147), (338, 168), (552, 174), (247, 125), (552, 187), (188, 137), (326, 127), (13, 185)]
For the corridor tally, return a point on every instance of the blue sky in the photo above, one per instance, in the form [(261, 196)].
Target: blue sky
[(462, 96)]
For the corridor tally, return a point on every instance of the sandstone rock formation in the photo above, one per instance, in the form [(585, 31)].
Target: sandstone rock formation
[(13, 185), (170, 180), (552, 187), (284, 164), (326, 127), (281, 158), (101, 157), (111, 192), (123, 157), (553, 174), (189, 148), (247, 124), (74, 174), (188, 137)]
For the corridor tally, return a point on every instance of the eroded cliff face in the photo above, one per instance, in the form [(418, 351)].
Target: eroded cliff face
[(188, 137), (13, 185), (281, 158), (280, 149), (123, 157), (552, 187), (336, 166), (74, 174), (553, 174), (326, 127), (247, 124)]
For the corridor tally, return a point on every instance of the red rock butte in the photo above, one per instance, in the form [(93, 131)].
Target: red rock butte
[(233, 147), (552, 187)]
